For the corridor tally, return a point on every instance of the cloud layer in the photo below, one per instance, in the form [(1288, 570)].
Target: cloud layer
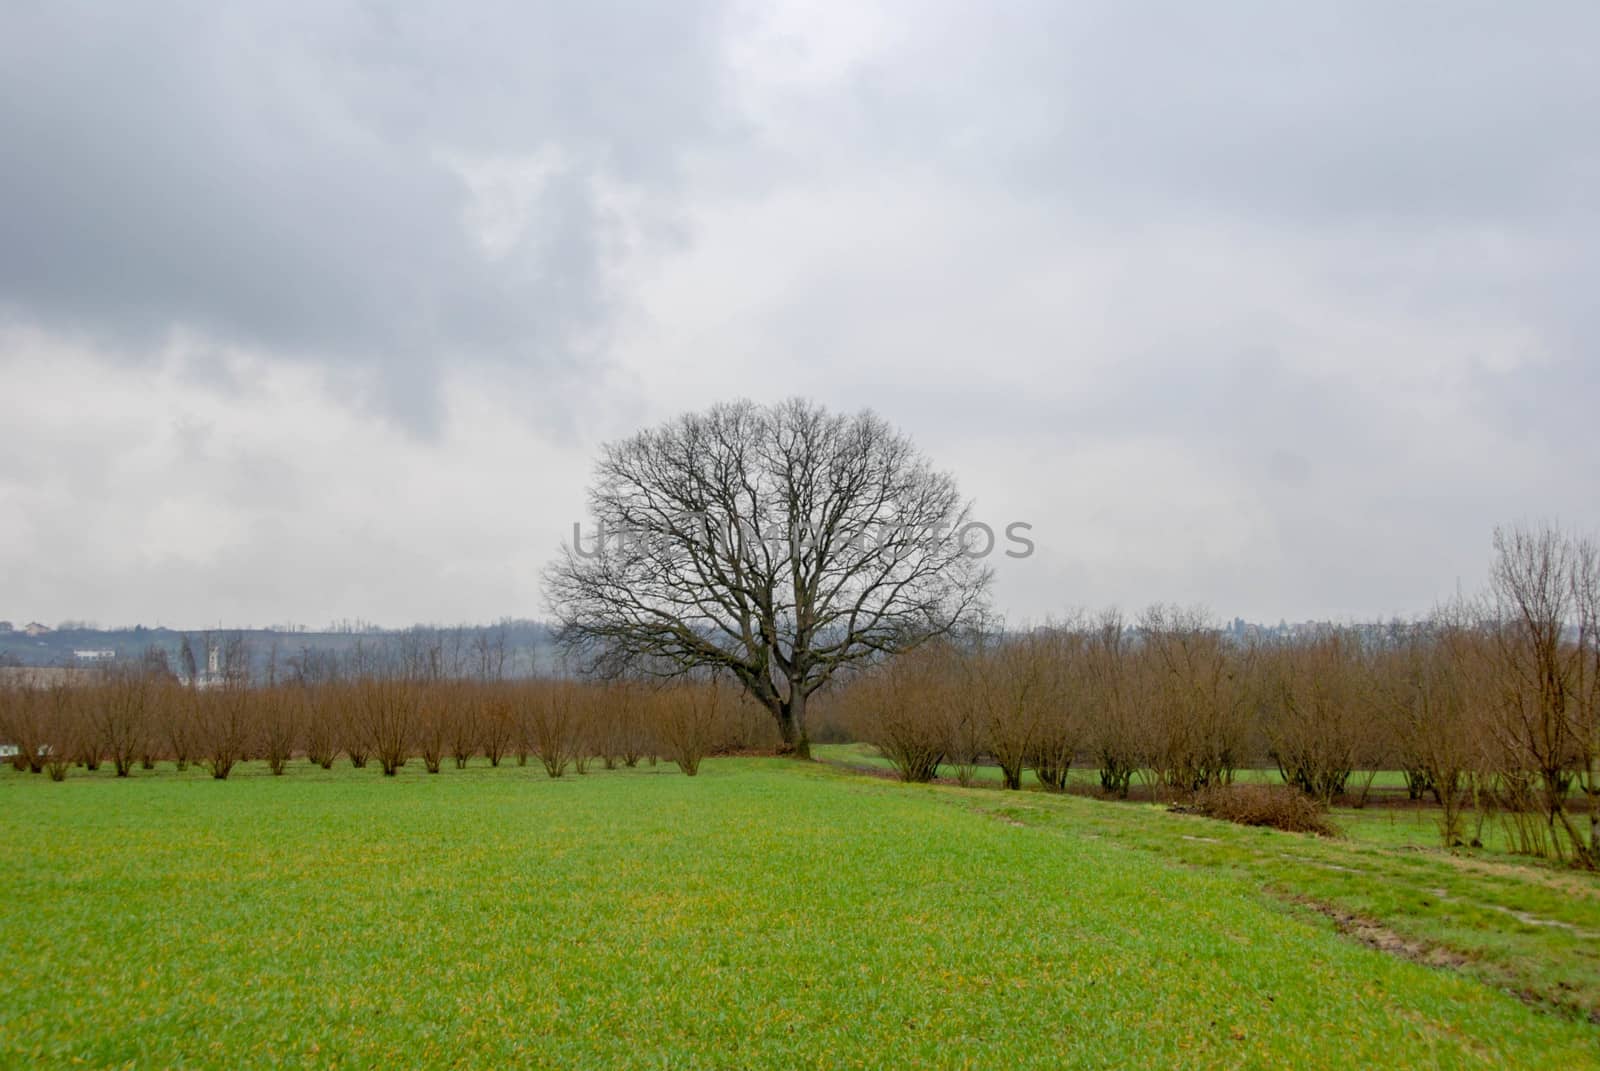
[(314, 312)]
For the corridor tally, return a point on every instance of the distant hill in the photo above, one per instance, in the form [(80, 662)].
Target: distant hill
[(519, 647)]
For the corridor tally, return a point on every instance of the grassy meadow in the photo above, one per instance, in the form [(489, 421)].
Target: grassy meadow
[(764, 914)]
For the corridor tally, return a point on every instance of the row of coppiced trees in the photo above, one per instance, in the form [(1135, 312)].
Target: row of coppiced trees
[(132, 718), (1490, 706)]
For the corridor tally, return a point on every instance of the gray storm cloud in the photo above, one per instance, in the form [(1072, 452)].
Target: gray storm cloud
[(336, 182), (1278, 307)]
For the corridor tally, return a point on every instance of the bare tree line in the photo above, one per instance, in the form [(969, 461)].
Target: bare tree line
[(134, 717), (420, 652), (1490, 706)]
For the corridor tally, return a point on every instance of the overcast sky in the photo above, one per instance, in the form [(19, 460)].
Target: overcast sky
[(309, 311)]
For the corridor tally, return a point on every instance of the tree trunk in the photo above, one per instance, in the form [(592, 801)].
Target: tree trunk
[(792, 725)]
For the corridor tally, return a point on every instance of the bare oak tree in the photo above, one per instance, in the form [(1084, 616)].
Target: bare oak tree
[(779, 544)]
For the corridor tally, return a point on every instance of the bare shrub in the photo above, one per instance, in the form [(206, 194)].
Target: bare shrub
[(902, 708), (63, 728), (686, 717), (1278, 806), (1518, 799), (588, 728), (465, 704), (1004, 685), (280, 716), (387, 715), (1318, 708), (1112, 705), (91, 750), (1585, 683), (224, 727), (632, 733), (120, 718), (348, 703), (1433, 687), (320, 734), (606, 724), (967, 736), (434, 715), (1198, 694), (499, 728), (22, 713), (166, 701), (1063, 711), (1538, 588), (743, 725), (179, 724), (548, 713)]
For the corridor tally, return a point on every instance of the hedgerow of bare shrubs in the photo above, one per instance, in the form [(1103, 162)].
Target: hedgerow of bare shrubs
[(132, 717), (1277, 806), (1489, 706)]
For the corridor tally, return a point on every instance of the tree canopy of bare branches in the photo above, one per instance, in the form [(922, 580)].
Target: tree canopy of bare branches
[(780, 544)]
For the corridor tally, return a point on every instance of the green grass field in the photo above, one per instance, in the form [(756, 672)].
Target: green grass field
[(1410, 827), (764, 914), (867, 757)]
